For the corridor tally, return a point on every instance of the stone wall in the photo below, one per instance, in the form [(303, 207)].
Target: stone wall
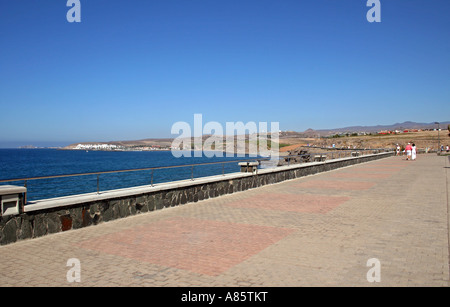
[(37, 223)]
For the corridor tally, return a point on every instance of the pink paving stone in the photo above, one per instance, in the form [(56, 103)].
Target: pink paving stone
[(201, 246), (401, 165), (336, 184), (303, 203), (362, 175), (383, 167), (373, 169)]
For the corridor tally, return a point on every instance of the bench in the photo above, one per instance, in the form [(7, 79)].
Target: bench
[(11, 197), (320, 158), (248, 167)]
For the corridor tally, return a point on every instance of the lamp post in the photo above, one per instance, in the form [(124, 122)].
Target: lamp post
[(439, 139)]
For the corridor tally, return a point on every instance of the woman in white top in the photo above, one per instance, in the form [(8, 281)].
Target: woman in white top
[(413, 152)]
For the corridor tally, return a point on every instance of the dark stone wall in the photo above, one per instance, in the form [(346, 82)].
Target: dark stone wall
[(39, 223)]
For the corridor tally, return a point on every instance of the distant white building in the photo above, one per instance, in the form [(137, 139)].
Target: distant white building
[(96, 146)]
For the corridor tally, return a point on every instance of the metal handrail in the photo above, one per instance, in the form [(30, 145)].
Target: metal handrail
[(127, 170), (173, 166), (165, 167)]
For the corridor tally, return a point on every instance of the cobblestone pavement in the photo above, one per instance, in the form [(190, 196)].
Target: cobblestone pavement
[(319, 230)]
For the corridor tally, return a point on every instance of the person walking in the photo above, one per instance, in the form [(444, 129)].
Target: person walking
[(413, 152), (408, 150), (398, 150)]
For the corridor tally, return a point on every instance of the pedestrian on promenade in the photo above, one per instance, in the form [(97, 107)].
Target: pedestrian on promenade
[(447, 148), (408, 150), (398, 150), (413, 152)]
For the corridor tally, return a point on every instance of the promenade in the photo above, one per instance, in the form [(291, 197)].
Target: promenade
[(318, 230)]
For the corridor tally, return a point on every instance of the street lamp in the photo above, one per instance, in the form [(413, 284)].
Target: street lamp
[(439, 139)]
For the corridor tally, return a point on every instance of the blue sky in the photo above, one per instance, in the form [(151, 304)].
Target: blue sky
[(131, 69)]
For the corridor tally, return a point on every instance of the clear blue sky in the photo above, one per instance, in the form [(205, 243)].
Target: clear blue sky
[(131, 69)]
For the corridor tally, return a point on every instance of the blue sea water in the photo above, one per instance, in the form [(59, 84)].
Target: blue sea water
[(27, 163)]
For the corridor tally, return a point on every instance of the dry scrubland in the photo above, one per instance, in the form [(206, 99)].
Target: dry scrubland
[(422, 139)]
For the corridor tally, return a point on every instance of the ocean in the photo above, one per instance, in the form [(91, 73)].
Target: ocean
[(27, 163)]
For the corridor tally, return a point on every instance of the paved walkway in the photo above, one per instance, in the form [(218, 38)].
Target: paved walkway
[(318, 230)]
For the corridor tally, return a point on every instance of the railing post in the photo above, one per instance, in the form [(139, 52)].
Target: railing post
[(223, 169), (25, 195), (98, 184), (192, 173), (151, 182)]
